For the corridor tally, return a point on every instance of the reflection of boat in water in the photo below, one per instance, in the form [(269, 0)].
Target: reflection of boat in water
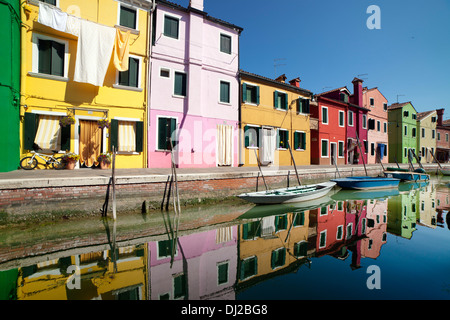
[(366, 183), (412, 185), (278, 209), (343, 194), (289, 195)]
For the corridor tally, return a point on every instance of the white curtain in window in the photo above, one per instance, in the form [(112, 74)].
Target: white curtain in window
[(48, 136), (224, 235), (267, 151), (127, 136), (224, 144)]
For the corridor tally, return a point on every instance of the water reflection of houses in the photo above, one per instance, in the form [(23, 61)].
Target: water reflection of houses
[(202, 266), (426, 213), (106, 275), (402, 212), (273, 245)]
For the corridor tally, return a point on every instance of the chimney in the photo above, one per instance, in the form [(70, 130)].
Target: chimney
[(440, 114), (196, 4), (295, 82), (357, 92), (281, 78)]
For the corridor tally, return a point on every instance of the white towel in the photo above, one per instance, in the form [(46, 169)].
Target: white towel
[(52, 17), (95, 47), (73, 25)]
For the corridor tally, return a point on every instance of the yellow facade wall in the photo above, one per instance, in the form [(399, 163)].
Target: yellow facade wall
[(265, 114), (47, 95)]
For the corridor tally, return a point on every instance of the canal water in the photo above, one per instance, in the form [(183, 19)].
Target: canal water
[(391, 244)]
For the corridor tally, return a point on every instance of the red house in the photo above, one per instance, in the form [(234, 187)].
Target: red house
[(342, 121)]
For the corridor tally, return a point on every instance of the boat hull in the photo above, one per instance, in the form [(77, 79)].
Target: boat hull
[(367, 183), (289, 195), (408, 176)]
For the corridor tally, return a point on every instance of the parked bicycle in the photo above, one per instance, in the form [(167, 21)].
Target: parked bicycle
[(31, 162)]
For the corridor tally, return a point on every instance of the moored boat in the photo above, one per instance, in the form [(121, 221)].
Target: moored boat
[(445, 172), (367, 182), (416, 175), (290, 194)]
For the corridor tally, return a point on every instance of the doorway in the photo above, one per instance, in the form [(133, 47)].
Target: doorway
[(333, 149), (90, 142)]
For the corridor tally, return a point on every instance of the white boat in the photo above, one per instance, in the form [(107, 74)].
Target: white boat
[(291, 194)]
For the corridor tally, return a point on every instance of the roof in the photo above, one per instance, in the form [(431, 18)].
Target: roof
[(446, 123), (423, 115), (275, 82), (397, 105), (189, 9), (333, 90)]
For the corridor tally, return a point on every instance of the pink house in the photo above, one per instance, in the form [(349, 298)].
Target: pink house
[(377, 135), (194, 88)]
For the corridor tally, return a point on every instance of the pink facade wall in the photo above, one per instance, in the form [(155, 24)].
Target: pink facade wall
[(196, 53), (379, 115)]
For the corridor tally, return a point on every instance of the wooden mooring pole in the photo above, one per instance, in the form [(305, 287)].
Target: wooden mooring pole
[(114, 182)]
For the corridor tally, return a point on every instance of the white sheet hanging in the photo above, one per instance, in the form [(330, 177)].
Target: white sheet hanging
[(52, 17), (95, 48), (73, 25), (267, 150)]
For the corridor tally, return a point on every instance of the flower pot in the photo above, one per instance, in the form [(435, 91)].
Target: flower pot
[(70, 164), (104, 165)]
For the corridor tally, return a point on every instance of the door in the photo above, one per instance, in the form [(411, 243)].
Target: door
[(333, 153), (90, 142)]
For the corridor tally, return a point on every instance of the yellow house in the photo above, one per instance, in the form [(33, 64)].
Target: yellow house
[(274, 114), (74, 66), (427, 136)]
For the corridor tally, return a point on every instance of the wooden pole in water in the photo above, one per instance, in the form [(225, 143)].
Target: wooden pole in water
[(435, 159), (362, 156), (259, 166), (114, 182)]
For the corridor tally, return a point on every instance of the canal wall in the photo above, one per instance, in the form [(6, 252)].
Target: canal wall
[(59, 193)]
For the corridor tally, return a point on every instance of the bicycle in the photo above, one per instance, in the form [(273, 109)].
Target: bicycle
[(31, 162)]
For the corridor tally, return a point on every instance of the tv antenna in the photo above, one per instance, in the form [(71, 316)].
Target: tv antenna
[(363, 74), (400, 95), (275, 65)]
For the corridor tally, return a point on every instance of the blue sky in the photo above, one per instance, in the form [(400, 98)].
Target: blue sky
[(327, 43)]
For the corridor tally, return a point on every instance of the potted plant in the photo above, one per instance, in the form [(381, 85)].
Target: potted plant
[(66, 121), (104, 160), (103, 123), (70, 159)]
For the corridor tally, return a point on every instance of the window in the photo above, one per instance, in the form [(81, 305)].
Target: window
[(249, 267), (405, 113), (439, 136), (225, 44), (171, 25), (343, 97), (340, 232), (324, 115), (283, 139), (222, 273), (301, 249), (180, 84), (179, 286), (251, 230), (372, 149), (378, 125), (423, 132), (341, 149), (53, 2), (251, 134), (130, 78), (433, 134), (224, 92), (350, 118), (278, 258), (324, 148), (413, 132), (405, 130), (384, 127), (51, 56), (166, 131), (341, 118), (299, 140), (364, 121), (280, 100), (303, 105), (414, 116), (299, 219), (366, 146), (385, 106), (372, 102), (127, 135), (349, 230), (446, 137), (128, 17), (323, 239), (166, 248), (164, 73), (250, 93)]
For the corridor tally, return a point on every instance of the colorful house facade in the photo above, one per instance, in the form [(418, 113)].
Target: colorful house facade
[(426, 137), (443, 138), (10, 26), (402, 131), (377, 135), (273, 114), (194, 88), (85, 61)]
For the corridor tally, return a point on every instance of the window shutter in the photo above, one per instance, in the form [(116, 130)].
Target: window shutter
[(257, 95), (273, 259), (244, 92), (173, 128), (246, 136), (45, 56), (57, 59), (296, 140), (30, 129), (139, 136), (306, 106), (133, 72), (303, 140), (162, 134), (285, 101), (65, 137), (114, 134), (275, 99), (299, 105)]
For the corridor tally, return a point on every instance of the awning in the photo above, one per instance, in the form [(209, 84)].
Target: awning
[(48, 136)]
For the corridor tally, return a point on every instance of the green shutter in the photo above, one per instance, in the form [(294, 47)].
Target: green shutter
[(303, 144), (139, 136), (306, 106), (285, 101), (45, 56), (133, 72), (296, 140), (57, 59), (275, 99), (162, 142), (244, 92), (128, 17), (30, 129), (180, 84), (173, 127), (114, 134), (300, 105), (257, 95), (65, 137)]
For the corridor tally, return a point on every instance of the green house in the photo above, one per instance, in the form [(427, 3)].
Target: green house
[(402, 118), (10, 84)]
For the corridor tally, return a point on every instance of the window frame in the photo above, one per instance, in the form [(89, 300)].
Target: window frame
[(257, 129), (277, 94), (304, 140), (136, 120), (343, 118), (35, 57), (279, 138), (174, 94), (139, 88), (321, 148), (327, 114), (220, 92), (343, 149), (251, 86), (350, 118), (174, 18), (128, 6), (228, 36), (157, 147)]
